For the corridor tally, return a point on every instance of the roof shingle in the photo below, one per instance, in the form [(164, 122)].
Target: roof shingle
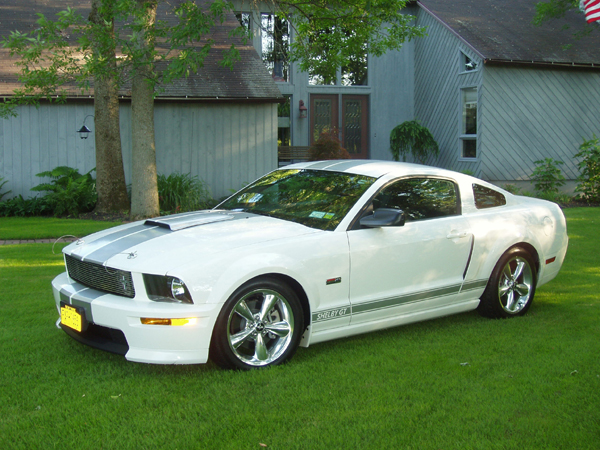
[(503, 31)]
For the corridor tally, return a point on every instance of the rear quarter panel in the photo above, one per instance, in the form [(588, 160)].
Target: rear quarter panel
[(522, 222)]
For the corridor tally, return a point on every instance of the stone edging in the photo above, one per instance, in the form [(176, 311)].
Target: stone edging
[(36, 241)]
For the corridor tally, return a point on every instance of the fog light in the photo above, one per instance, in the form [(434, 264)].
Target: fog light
[(172, 322)]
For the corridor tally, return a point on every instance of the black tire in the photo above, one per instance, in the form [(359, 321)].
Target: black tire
[(511, 287), (260, 325)]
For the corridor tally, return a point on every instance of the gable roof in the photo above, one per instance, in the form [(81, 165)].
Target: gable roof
[(249, 80), (502, 32)]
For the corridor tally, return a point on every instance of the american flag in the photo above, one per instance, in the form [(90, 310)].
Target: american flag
[(591, 9)]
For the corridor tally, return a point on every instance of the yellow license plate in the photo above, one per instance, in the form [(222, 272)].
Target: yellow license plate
[(70, 317)]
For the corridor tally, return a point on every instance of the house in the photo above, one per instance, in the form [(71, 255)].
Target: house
[(497, 92), (218, 124)]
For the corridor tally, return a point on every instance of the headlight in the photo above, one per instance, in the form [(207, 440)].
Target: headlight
[(166, 289)]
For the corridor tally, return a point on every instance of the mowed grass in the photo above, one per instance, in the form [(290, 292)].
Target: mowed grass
[(48, 227), (461, 382)]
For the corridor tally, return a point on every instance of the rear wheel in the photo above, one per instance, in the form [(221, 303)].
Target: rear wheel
[(511, 287), (260, 325)]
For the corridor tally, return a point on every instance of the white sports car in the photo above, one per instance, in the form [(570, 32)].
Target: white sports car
[(308, 253)]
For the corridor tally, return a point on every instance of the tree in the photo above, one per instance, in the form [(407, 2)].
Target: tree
[(46, 73), (412, 137), (73, 50), (556, 9), (328, 35), (110, 176)]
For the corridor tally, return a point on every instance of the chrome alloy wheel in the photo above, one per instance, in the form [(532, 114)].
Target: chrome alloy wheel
[(260, 327), (515, 285)]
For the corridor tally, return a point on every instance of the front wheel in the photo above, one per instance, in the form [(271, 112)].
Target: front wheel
[(260, 325), (511, 287)]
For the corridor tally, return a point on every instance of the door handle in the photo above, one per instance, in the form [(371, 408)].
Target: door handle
[(457, 235)]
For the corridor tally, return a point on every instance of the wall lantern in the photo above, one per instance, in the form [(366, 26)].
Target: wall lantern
[(303, 110), (84, 131)]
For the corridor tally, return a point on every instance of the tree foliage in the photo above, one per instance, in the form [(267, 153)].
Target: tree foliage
[(557, 9), (411, 137), (328, 146), (547, 177), (589, 167), (332, 34), (129, 41)]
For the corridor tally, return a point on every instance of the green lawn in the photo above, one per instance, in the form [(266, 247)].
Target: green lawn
[(48, 227), (461, 382)]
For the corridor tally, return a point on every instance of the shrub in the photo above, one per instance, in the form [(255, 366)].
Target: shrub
[(547, 177), (513, 188), (69, 192), (589, 166), (412, 137), (556, 197), (2, 183), (328, 146), (183, 192), (20, 207)]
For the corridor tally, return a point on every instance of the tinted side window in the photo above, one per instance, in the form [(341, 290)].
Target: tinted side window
[(487, 198), (420, 198)]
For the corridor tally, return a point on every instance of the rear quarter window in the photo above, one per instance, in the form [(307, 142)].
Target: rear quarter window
[(487, 198)]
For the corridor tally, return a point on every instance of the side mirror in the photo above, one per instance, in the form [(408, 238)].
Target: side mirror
[(384, 217)]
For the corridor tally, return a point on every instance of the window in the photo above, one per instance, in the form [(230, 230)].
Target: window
[(354, 73), (487, 198), (420, 198), (467, 64), (317, 199), (283, 125), (275, 37), (468, 137)]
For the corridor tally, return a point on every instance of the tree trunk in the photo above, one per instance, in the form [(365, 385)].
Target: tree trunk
[(144, 189), (110, 175)]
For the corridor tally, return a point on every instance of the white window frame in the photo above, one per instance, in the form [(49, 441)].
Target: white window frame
[(462, 135), (463, 60)]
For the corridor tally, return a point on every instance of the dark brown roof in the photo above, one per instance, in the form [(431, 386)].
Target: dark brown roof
[(503, 32), (248, 81)]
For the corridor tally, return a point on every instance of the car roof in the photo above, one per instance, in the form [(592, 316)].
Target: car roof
[(374, 168)]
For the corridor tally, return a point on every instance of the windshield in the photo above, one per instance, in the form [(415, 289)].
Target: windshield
[(315, 198)]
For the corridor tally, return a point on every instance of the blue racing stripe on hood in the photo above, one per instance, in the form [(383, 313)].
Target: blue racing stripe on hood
[(121, 242)]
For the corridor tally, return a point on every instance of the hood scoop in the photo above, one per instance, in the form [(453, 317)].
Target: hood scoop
[(183, 221)]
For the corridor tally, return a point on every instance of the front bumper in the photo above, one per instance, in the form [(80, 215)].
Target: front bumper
[(115, 325)]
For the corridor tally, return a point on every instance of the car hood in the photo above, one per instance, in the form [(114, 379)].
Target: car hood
[(162, 243)]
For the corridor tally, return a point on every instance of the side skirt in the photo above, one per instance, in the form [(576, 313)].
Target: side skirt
[(364, 327)]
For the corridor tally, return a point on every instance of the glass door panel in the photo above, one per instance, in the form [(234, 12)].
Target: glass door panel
[(355, 125)]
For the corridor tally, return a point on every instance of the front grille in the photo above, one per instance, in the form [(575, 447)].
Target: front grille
[(97, 276)]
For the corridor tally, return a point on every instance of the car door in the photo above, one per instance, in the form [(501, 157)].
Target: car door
[(419, 265)]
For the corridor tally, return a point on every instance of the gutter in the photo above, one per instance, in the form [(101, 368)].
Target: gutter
[(253, 100), (542, 64)]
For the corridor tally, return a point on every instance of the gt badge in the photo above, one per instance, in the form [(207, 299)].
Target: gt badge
[(333, 281)]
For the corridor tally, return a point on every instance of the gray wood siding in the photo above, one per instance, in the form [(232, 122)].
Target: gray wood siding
[(438, 80), (531, 114), (392, 82), (226, 145)]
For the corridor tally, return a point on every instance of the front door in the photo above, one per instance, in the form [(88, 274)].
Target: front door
[(328, 111), (418, 266)]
